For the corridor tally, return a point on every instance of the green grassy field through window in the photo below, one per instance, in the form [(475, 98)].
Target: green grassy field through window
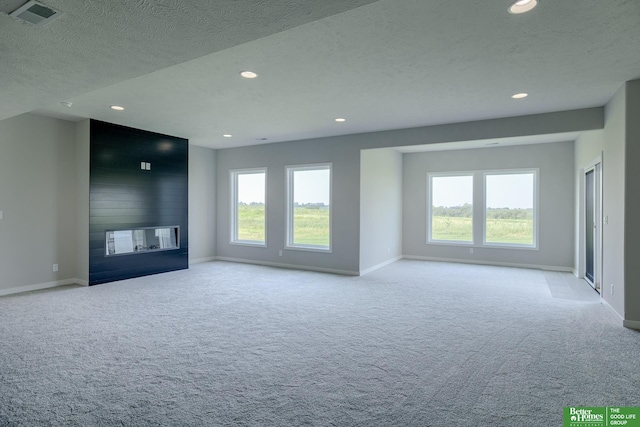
[(311, 224), (452, 228), (503, 226), (517, 231), (251, 222)]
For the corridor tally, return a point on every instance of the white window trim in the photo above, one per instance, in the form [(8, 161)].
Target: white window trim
[(536, 197), (233, 231), (289, 170), (430, 176), (481, 204)]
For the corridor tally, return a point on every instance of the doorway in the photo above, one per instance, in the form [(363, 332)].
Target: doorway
[(593, 222)]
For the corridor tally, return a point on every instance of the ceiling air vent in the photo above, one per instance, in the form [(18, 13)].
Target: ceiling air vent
[(35, 13)]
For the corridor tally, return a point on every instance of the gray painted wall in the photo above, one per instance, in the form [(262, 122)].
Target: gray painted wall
[(613, 202), (555, 209), (58, 162), (344, 152), (202, 204), (619, 143), (588, 149), (44, 196), (345, 208), (632, 204), (82, 163), (536, 124), (380, 207), (38, 200)]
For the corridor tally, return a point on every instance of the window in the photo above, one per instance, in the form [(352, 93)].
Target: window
[(309, 207), (248, 206), (510, 214), (502, 212), (451, 208)]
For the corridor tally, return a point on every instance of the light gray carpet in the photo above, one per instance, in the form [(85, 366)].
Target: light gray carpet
[(412, 344)]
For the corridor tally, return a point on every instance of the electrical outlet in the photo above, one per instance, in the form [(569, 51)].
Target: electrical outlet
[(55, 267), (470, 250), (1, 215), (280, 252), (388, 250), (612, 289)]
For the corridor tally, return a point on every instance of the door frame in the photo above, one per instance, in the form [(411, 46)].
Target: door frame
[(596, 166)]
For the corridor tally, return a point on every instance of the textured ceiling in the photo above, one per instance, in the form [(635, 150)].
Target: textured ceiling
[(382, 65), (97, 43)]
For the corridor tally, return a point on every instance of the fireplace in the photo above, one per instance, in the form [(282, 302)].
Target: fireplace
[(140, 240)]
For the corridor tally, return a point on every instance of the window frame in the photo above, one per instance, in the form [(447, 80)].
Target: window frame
[(430, 176), (289, 207), (536, 195), (233, 179)]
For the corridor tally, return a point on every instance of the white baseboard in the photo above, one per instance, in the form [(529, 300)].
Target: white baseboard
[(499, 264), (631, 324), (40, 286), (79, 282), (201, 260), (575, 273), (382, 264), (613, 310), (290, 266)]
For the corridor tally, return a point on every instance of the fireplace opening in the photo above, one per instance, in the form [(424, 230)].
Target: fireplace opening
[(142, 240)]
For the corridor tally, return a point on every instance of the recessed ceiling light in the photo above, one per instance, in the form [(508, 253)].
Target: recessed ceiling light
[(522, 6), (248, 74), (117, 108), (340, 120), (226, 135), (520, 95), (67, 104)]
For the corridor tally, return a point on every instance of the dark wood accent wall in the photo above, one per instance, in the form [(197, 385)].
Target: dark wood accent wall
[(124, 196)]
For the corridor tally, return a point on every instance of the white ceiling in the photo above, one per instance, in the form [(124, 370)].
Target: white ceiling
[(388, 64)]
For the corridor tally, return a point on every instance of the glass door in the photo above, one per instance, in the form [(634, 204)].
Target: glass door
[(590, 226)]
